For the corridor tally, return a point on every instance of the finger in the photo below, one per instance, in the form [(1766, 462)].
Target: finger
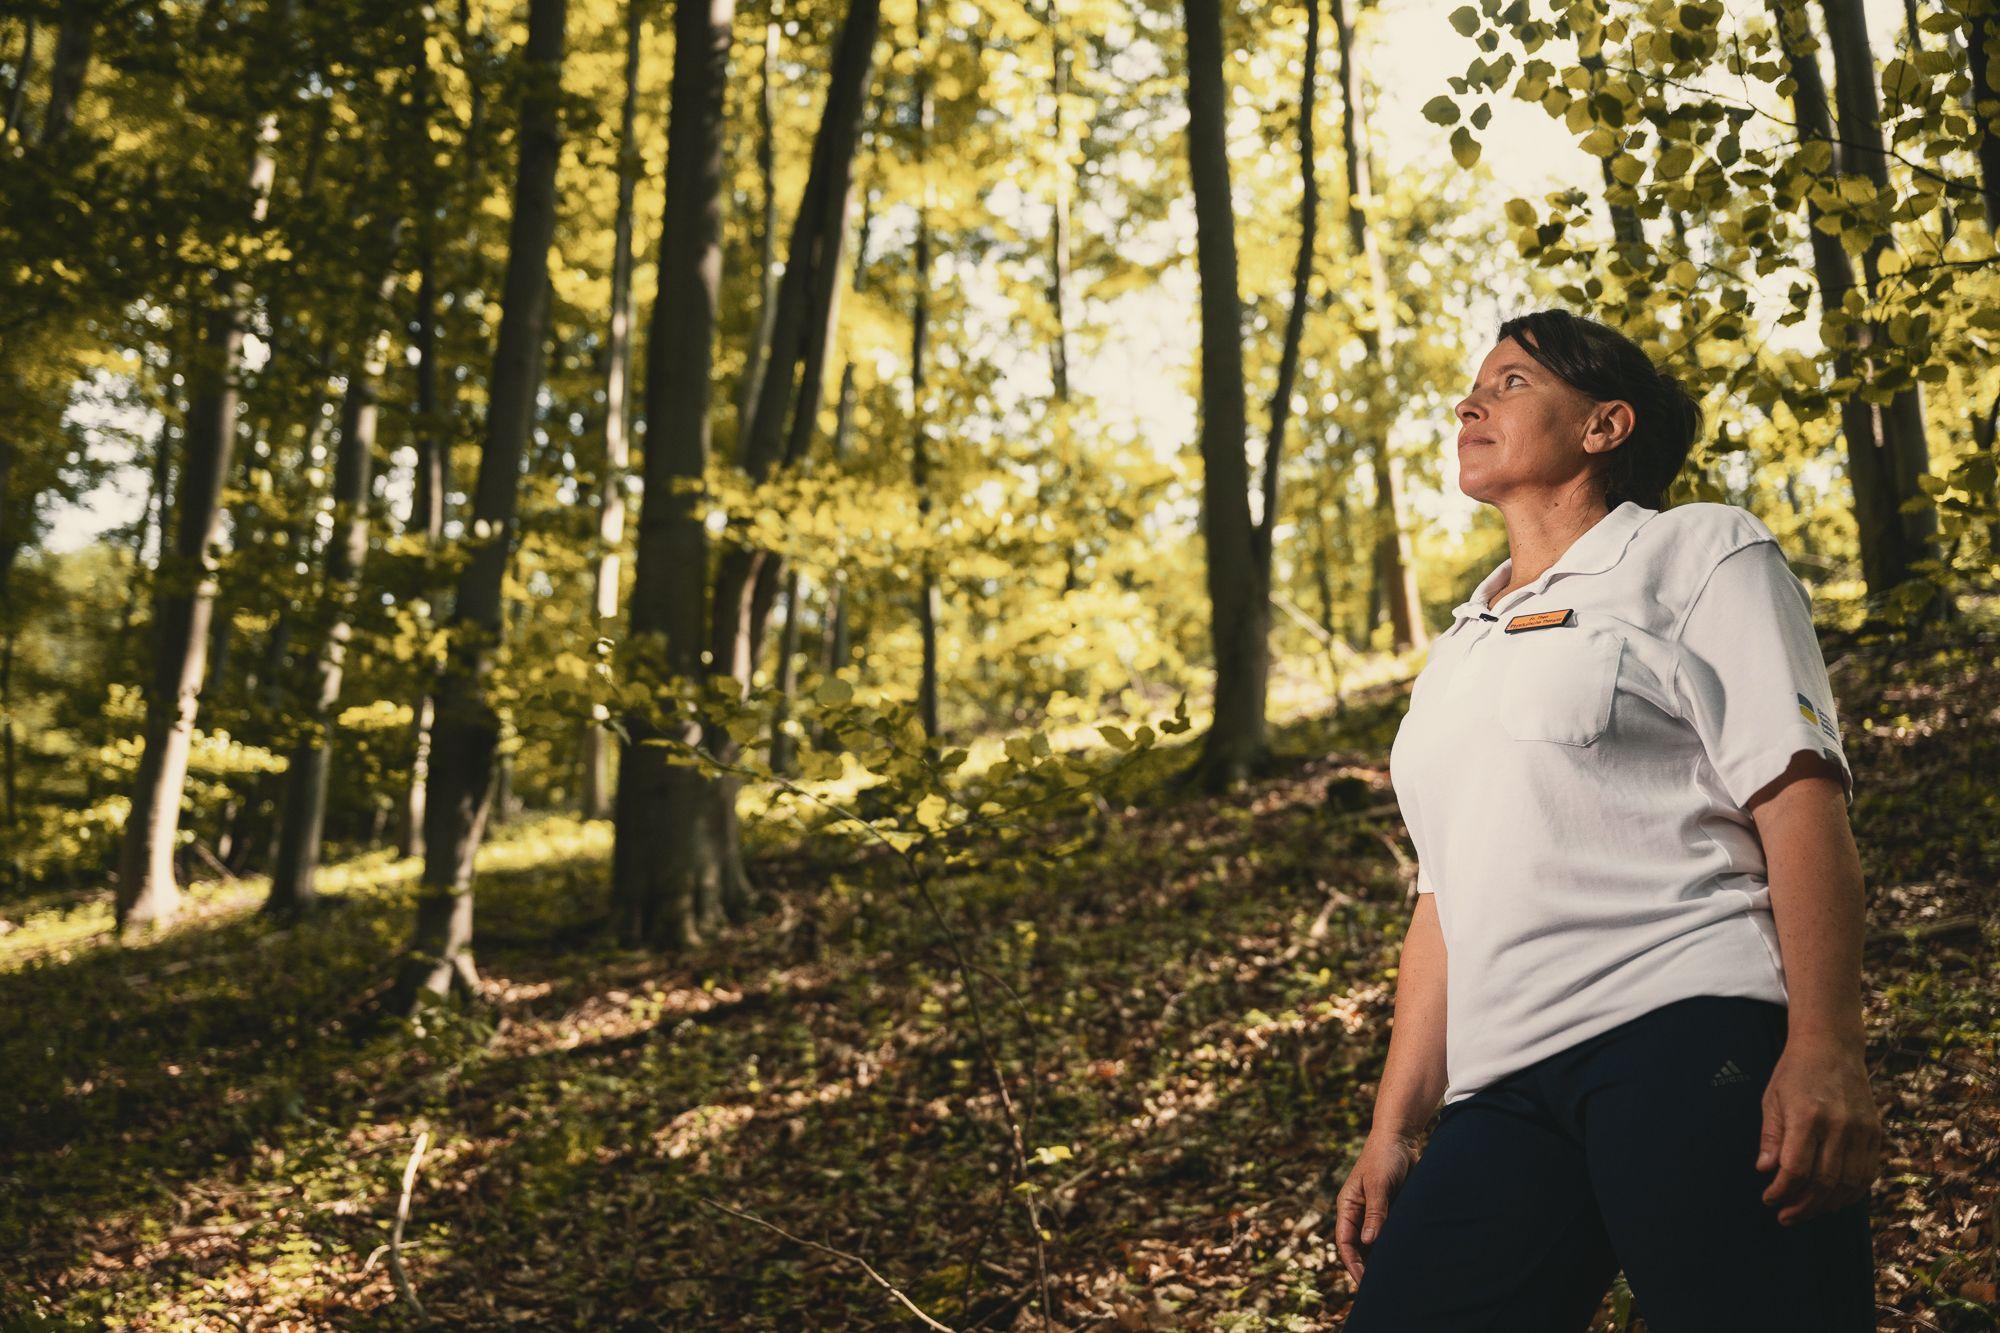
[(1347, 1230), (1795, 1167), (1848, 1166), (1772, 1140), (1822, 1180), (1371, 1222), (1347, 1215), (1350, 1259)]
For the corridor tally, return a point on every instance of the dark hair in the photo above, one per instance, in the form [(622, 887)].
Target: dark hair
[(1603, 363)]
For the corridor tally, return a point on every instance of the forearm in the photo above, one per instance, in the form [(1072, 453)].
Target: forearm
[(1413, 1076), (1817, 903)]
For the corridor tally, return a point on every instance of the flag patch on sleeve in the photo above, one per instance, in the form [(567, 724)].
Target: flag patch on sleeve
[(1810, 712)]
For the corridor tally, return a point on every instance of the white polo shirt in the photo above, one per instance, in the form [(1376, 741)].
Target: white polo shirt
[(1573, 769)]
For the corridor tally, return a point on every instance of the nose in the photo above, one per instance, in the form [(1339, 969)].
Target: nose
[(1467, 410)]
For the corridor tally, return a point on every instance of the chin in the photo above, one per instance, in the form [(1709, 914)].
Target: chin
[(1476, 488)]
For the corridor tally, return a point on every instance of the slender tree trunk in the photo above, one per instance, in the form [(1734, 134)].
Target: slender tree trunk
[(1239, 599), (1876, 494), (151, 519), (676, 897), (782, 760), (184, 600), (767, 229), (1295, 321), (662, 850), (1859, 111), (927, 581), (781, 425), (66, 75), (303, 808), (1059, 210), (467, 729), (9, 778), (597, 737), (427, 510), (24, 69), (1907, 453), (1395, 572), (833, 618), (1982, 25), (1628, 232), (1329, 614), (1980, 28)]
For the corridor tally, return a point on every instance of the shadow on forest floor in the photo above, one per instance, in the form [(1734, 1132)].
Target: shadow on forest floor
[(1190, 1002)]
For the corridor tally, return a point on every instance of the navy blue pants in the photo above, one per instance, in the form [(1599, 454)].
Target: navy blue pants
[(1636, 1148)]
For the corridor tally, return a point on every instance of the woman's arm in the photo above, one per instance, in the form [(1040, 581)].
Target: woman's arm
[(1413, 1076), (1822, 1130), (1413, 1080)]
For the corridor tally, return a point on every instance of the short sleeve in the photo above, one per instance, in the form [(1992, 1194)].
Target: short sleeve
[(1749, 674), (1424, 884)]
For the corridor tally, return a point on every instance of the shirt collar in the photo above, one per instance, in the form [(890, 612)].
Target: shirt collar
[(1597, 550)]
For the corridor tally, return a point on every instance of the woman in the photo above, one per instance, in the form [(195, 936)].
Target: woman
[(1633, 969)]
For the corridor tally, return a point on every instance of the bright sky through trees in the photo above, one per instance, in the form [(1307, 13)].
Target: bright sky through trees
[(1139, 380)]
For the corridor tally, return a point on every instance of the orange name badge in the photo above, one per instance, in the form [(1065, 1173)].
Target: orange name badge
[(1542, 620)]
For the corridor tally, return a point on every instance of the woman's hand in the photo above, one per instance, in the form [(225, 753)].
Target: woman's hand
[(1363, 1202), (1822, 1131)]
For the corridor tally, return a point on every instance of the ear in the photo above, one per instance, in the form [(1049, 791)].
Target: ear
[(1609, 426)]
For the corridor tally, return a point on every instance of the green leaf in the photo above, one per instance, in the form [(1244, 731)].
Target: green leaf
[(1901, 81), (1520, 212), (1441, 110), (1464, 148), (1465, 21)]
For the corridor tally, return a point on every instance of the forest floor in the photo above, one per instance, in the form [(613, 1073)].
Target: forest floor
[(1188, 999)]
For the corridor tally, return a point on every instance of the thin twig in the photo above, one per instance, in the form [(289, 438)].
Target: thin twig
[(866, 1267), (396, 1269)]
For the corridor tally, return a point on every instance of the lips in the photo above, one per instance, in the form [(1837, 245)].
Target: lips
[(1464, 440)]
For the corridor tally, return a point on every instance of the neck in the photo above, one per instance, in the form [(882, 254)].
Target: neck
[(1539, 533)]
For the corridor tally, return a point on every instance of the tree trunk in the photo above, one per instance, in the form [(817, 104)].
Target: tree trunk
[(920, 465), (662, 852), (184, 598), (833, 617), (1979, 30), (467, 729), (1909, 537), (597, 737), (1295, 321), (429, 488), (304, 803), (1628, 231), (767, 229), (1395, 572), (1239, 598), (1874, 484), (1059, 211), (782, 749), (678, 868), (24, 69), (66, 75)]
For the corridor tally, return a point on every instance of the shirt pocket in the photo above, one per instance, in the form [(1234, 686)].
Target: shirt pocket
[(1559, 684)]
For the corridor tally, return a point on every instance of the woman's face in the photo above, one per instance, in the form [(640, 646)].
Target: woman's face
[(1523, 431)]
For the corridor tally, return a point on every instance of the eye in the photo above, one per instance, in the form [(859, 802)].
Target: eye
[(1517, 375)]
